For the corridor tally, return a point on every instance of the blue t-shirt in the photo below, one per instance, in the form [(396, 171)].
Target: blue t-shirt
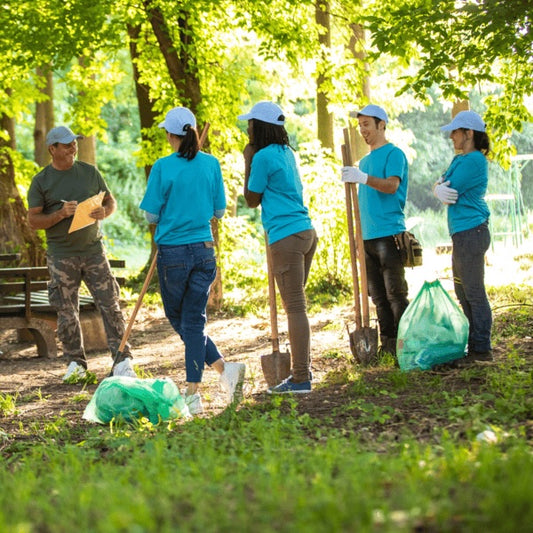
[(382, 214), (274, 174), (468, 174), (185, 195)]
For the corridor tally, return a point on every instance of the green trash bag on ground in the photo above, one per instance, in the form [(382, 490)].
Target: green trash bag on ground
[(433, 330), (132, 398)]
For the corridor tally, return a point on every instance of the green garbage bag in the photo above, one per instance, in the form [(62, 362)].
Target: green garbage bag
[(131, 398), (433, 330)]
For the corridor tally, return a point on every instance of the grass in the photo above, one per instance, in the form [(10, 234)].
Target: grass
[(401, 452)]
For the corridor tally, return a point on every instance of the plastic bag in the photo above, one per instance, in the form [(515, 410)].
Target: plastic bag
[(433, 329), (131, 398)]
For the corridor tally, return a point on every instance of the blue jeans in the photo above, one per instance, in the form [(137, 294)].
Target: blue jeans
[(468, 267), (386, 283), (185, 275)]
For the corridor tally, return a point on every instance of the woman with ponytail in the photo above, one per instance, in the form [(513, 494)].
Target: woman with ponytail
[(462, 188), (185, 190)]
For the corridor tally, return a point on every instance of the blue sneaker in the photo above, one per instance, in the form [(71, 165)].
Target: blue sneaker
[(289, 387)]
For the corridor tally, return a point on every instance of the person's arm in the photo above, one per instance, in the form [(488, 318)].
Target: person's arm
[(39, 220), (253, 199), (108, 207), (388, 185)]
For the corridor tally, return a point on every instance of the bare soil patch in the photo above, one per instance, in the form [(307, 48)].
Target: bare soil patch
[(41, 396)]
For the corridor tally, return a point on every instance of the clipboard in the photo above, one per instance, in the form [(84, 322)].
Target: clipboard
[(81, 217)]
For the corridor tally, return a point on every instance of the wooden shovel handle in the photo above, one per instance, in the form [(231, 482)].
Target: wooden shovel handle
[(351, 239), (360, 247)]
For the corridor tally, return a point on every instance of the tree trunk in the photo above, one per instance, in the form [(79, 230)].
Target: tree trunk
[(147, 117), (147, 114), (87, 149), (86, 145), (357, 48), (15, 232), (324, 117), (180, 63), (44, 119)]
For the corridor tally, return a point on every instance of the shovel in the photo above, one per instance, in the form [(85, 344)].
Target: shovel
[(364, 339), (146, 283), (276, 366)]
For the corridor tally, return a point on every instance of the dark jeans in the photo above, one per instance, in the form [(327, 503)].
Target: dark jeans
[(468, 267), (185, 276), (291, 262), (386, 283)]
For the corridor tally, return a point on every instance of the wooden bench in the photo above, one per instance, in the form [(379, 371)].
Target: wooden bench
[(24, 306)]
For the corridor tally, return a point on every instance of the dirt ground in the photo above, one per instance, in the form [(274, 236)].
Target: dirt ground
[(158, 352)]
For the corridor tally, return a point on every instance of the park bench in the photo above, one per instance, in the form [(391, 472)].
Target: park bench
[(24, 306)]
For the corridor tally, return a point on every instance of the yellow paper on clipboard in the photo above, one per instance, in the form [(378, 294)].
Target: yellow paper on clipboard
[(81, 217)]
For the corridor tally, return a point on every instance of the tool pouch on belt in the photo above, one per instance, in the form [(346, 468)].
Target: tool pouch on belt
[(410, 249)]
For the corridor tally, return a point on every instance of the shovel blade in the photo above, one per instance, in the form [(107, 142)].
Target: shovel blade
[(364, 345), (276, 367)]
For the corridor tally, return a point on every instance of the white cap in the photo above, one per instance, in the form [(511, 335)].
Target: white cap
[(469, 120), (62, 135), (372, 110), (266, 112), (177, 120)]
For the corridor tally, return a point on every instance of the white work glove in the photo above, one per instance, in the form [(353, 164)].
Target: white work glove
[(353, 175), (445, 193)]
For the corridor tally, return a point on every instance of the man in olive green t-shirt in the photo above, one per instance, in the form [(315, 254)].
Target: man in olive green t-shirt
[(53, 197)]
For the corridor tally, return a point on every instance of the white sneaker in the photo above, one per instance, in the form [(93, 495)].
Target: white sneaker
[(194, 403), (74, 370), (125, 369), (231, 381)]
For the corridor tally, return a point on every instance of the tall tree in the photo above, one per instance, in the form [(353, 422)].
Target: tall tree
[(323, 81), (44, 117)]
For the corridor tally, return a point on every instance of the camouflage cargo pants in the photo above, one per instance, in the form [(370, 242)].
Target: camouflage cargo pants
[(66, 275)]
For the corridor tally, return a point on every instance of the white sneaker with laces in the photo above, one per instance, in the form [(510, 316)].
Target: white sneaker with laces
[(74, 369), (194, 403), (125, 369), (231, 381)]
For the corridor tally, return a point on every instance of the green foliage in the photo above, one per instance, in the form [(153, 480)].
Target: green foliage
[(8, 404), (459, 47), (324, 195), (243, 265)]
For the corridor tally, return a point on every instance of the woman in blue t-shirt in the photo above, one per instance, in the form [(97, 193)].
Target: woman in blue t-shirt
[(185, 190), (272, 180), (462, 188)]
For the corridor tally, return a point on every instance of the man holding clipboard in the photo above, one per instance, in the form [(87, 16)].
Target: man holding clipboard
[(68, 199)]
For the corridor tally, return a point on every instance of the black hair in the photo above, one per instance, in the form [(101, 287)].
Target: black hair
[(190, 143), (481, 142), (265, 134), (376, 119)]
